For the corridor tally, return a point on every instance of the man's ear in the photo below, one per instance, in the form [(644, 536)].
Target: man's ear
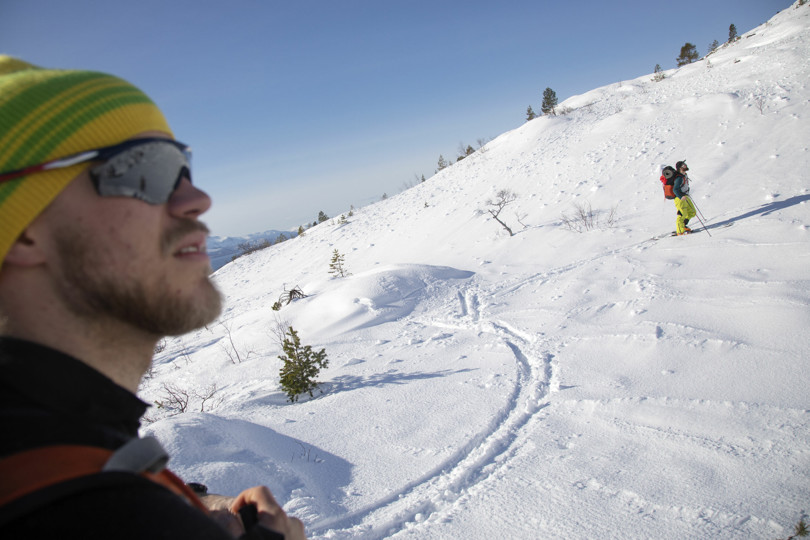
[(25, 251)]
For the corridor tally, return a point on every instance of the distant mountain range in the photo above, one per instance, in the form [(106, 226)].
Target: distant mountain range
[(221, 249)]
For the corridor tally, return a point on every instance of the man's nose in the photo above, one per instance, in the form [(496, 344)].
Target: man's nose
[(188, 201)]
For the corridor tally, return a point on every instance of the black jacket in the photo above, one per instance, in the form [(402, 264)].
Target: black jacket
[(49, 398)]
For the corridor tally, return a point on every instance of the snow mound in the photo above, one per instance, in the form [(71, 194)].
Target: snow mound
[(370, 298)]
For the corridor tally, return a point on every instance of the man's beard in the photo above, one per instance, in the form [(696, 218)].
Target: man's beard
[(93, 294)]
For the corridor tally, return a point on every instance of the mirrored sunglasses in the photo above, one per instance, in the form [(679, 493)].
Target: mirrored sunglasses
[(147, 169)]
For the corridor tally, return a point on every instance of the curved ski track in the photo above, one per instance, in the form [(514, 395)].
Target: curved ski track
[(428, 498)]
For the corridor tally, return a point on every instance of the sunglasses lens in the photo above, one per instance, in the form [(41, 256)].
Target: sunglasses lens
[(149, 172)]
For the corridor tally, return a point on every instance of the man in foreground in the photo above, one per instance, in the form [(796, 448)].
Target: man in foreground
[(102, 255)]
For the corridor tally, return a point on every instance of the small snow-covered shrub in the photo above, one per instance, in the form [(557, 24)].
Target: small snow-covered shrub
[(585, 218), (287, 297), (495, 206), (301, 366)]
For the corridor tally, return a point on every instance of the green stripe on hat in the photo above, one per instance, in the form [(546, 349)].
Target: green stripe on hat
[(68, 103)]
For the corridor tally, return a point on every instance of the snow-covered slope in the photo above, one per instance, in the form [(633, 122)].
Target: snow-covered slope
[(550, 384)]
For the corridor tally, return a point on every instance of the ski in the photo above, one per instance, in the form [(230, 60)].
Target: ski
[(704, 228), (675, 233)]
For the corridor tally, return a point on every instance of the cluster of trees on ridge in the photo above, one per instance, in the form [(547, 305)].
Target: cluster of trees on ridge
[(690, 54)]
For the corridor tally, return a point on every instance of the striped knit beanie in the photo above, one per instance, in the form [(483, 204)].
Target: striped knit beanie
[(47, 114)]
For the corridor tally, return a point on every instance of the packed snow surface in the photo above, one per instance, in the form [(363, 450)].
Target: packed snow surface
[(554, 383)]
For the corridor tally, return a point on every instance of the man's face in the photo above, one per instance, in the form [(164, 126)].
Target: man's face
[(122, 260)]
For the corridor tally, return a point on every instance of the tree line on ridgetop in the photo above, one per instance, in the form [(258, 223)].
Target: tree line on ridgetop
[(690, 54), (687, 55)]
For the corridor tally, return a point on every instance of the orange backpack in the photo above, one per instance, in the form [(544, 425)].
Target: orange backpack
[(668, 180)]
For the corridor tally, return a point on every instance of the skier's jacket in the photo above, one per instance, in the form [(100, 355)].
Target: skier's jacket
[(680, 185)]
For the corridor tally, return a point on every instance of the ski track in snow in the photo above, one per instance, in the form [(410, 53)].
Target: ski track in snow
[(436, 493)]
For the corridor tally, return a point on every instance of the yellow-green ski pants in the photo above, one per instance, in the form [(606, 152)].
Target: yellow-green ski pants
[(686, 211)]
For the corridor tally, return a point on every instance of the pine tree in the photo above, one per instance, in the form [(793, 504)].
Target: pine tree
[(688, 55), (337, 265), (442, 163), (732, 33), (464, 152), (713, 47), (549, 101), (301, 366), (530, 114), (658, 74), (322, 217)]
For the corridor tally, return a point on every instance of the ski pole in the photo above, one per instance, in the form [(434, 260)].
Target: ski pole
[(697, 215), (698, 209)]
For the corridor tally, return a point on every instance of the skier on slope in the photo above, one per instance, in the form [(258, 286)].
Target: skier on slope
[(683, 203)]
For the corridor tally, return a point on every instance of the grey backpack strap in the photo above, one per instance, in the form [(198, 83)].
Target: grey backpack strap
[(138, 456)]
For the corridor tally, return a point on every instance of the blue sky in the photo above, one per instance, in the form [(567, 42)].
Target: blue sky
[(297, 107)]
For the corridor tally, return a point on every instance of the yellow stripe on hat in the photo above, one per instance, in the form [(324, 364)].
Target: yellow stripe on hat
[(23, 205), (48, 130), (41, 112)]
